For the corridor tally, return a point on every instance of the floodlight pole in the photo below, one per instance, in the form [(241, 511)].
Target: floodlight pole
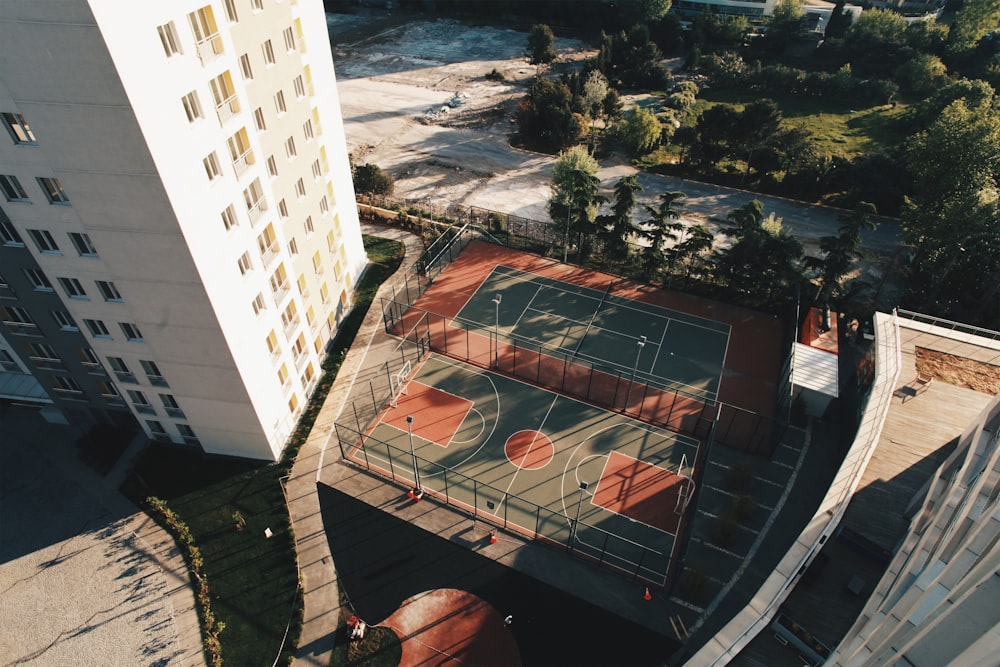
[(497, 300), (635, 369), (417, 490), (569, 209), (576, 521)]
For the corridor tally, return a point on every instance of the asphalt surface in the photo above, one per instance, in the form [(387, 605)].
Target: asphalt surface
[(383, 560)]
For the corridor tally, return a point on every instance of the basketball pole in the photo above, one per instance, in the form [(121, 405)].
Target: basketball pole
[(417, 491), (635, 369), (497, 300), (576, 521)]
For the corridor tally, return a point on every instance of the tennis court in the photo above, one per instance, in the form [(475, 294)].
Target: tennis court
[(536, 462), (666, 348)]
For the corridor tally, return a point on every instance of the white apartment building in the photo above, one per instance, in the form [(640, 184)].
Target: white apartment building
[(178, 233)]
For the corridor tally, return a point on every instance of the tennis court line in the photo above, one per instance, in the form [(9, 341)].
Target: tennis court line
[(659, 347), (526, 308)]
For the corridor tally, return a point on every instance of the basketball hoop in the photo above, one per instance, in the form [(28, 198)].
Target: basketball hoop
[(398, 383)]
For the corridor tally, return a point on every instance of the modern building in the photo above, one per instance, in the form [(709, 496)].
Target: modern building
[(937, 602), (178, 234)]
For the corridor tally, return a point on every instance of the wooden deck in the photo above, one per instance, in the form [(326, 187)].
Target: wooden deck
[(919, 432)]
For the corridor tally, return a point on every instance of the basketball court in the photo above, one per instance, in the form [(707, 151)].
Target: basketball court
[(536, 462)]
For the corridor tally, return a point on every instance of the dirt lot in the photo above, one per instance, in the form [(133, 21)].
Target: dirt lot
[(396, 74)]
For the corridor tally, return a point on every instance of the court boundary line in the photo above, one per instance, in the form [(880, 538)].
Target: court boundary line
[(518, 469), (659, 348), (472, 406), (607, 460)]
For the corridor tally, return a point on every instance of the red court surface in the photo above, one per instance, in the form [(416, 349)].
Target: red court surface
[(641, 491), (530, 450), (437, 415)]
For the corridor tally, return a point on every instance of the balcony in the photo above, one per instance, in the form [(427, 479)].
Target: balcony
[(255, 210), (275, 355), (209, 48), (227, 109), (269, 254), (48, 364), (23, 328), (280, 292), (300, 361), (93, 368), (11, 367), (112, 399), (243, 162), (176, 413), (126, 376), (290, 327), (157, 380), (144, 409)]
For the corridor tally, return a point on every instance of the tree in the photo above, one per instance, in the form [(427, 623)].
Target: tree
[(546, 115), (876, 42), (540, 43), (840, 251), (662, 227), (575, 197), (785, 26), (595, 90), (369, 179), (972, 22), (923, 73), (839, 22), (614, 230), (692, 252), (640, 130)]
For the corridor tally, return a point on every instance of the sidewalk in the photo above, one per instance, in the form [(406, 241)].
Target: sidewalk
[(319, 579)]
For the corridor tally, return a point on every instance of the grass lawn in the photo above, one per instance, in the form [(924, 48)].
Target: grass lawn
[(839, 128), (253, 580)]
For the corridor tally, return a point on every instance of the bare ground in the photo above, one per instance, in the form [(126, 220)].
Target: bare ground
[(959, 371)]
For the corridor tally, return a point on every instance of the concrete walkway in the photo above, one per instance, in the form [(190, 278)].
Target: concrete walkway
[(111, 584)]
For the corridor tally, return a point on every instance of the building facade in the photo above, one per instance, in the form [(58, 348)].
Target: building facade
[(179, 235)]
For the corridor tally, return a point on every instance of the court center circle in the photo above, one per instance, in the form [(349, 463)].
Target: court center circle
[(530, 450)]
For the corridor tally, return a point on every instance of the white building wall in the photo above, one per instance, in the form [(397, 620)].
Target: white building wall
[(107, 110)]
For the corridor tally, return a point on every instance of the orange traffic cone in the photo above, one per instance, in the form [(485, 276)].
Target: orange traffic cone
[(647, 595), (493, 536)]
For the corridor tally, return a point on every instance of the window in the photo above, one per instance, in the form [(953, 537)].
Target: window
[(258, 5), (12, 189), (258, 120), (290, 147), (18, 128), (279, 282), (293, 404), (53, 190), (65, 385), (272, 344), (212, 168), (73, 288), (331, 241), (140, 402), (317, 263), (289, 39), (131, 331), (155, 427), (229, 217), (206, 33), (153, 373), (109, 392), (97, 329), (9, 235), (293, 247), (303, 288), (230, 6), (245, 70), (171, 407), (224, 94), (7, 363), (310, 316), (308, 225), (336, 270), (283, 209), (307, 130), (299, 347), (109, 291), (121, 369), (38, 280), (192, 107), (279, 102), (44, 241), (258, 304), (300, 188), (253, 196), (187, 434), (88, 358), (324, 294), (267, 243), (324, 205), (268, 52), (245, 263), (83, 244), (240, 152), (168, 37), (283, 375), (43, 353), (300, 87), (317, 170), (65, 321), (290, 316), (272, 166)]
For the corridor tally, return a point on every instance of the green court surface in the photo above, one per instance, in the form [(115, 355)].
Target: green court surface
[(518, 453), (678, 351)]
